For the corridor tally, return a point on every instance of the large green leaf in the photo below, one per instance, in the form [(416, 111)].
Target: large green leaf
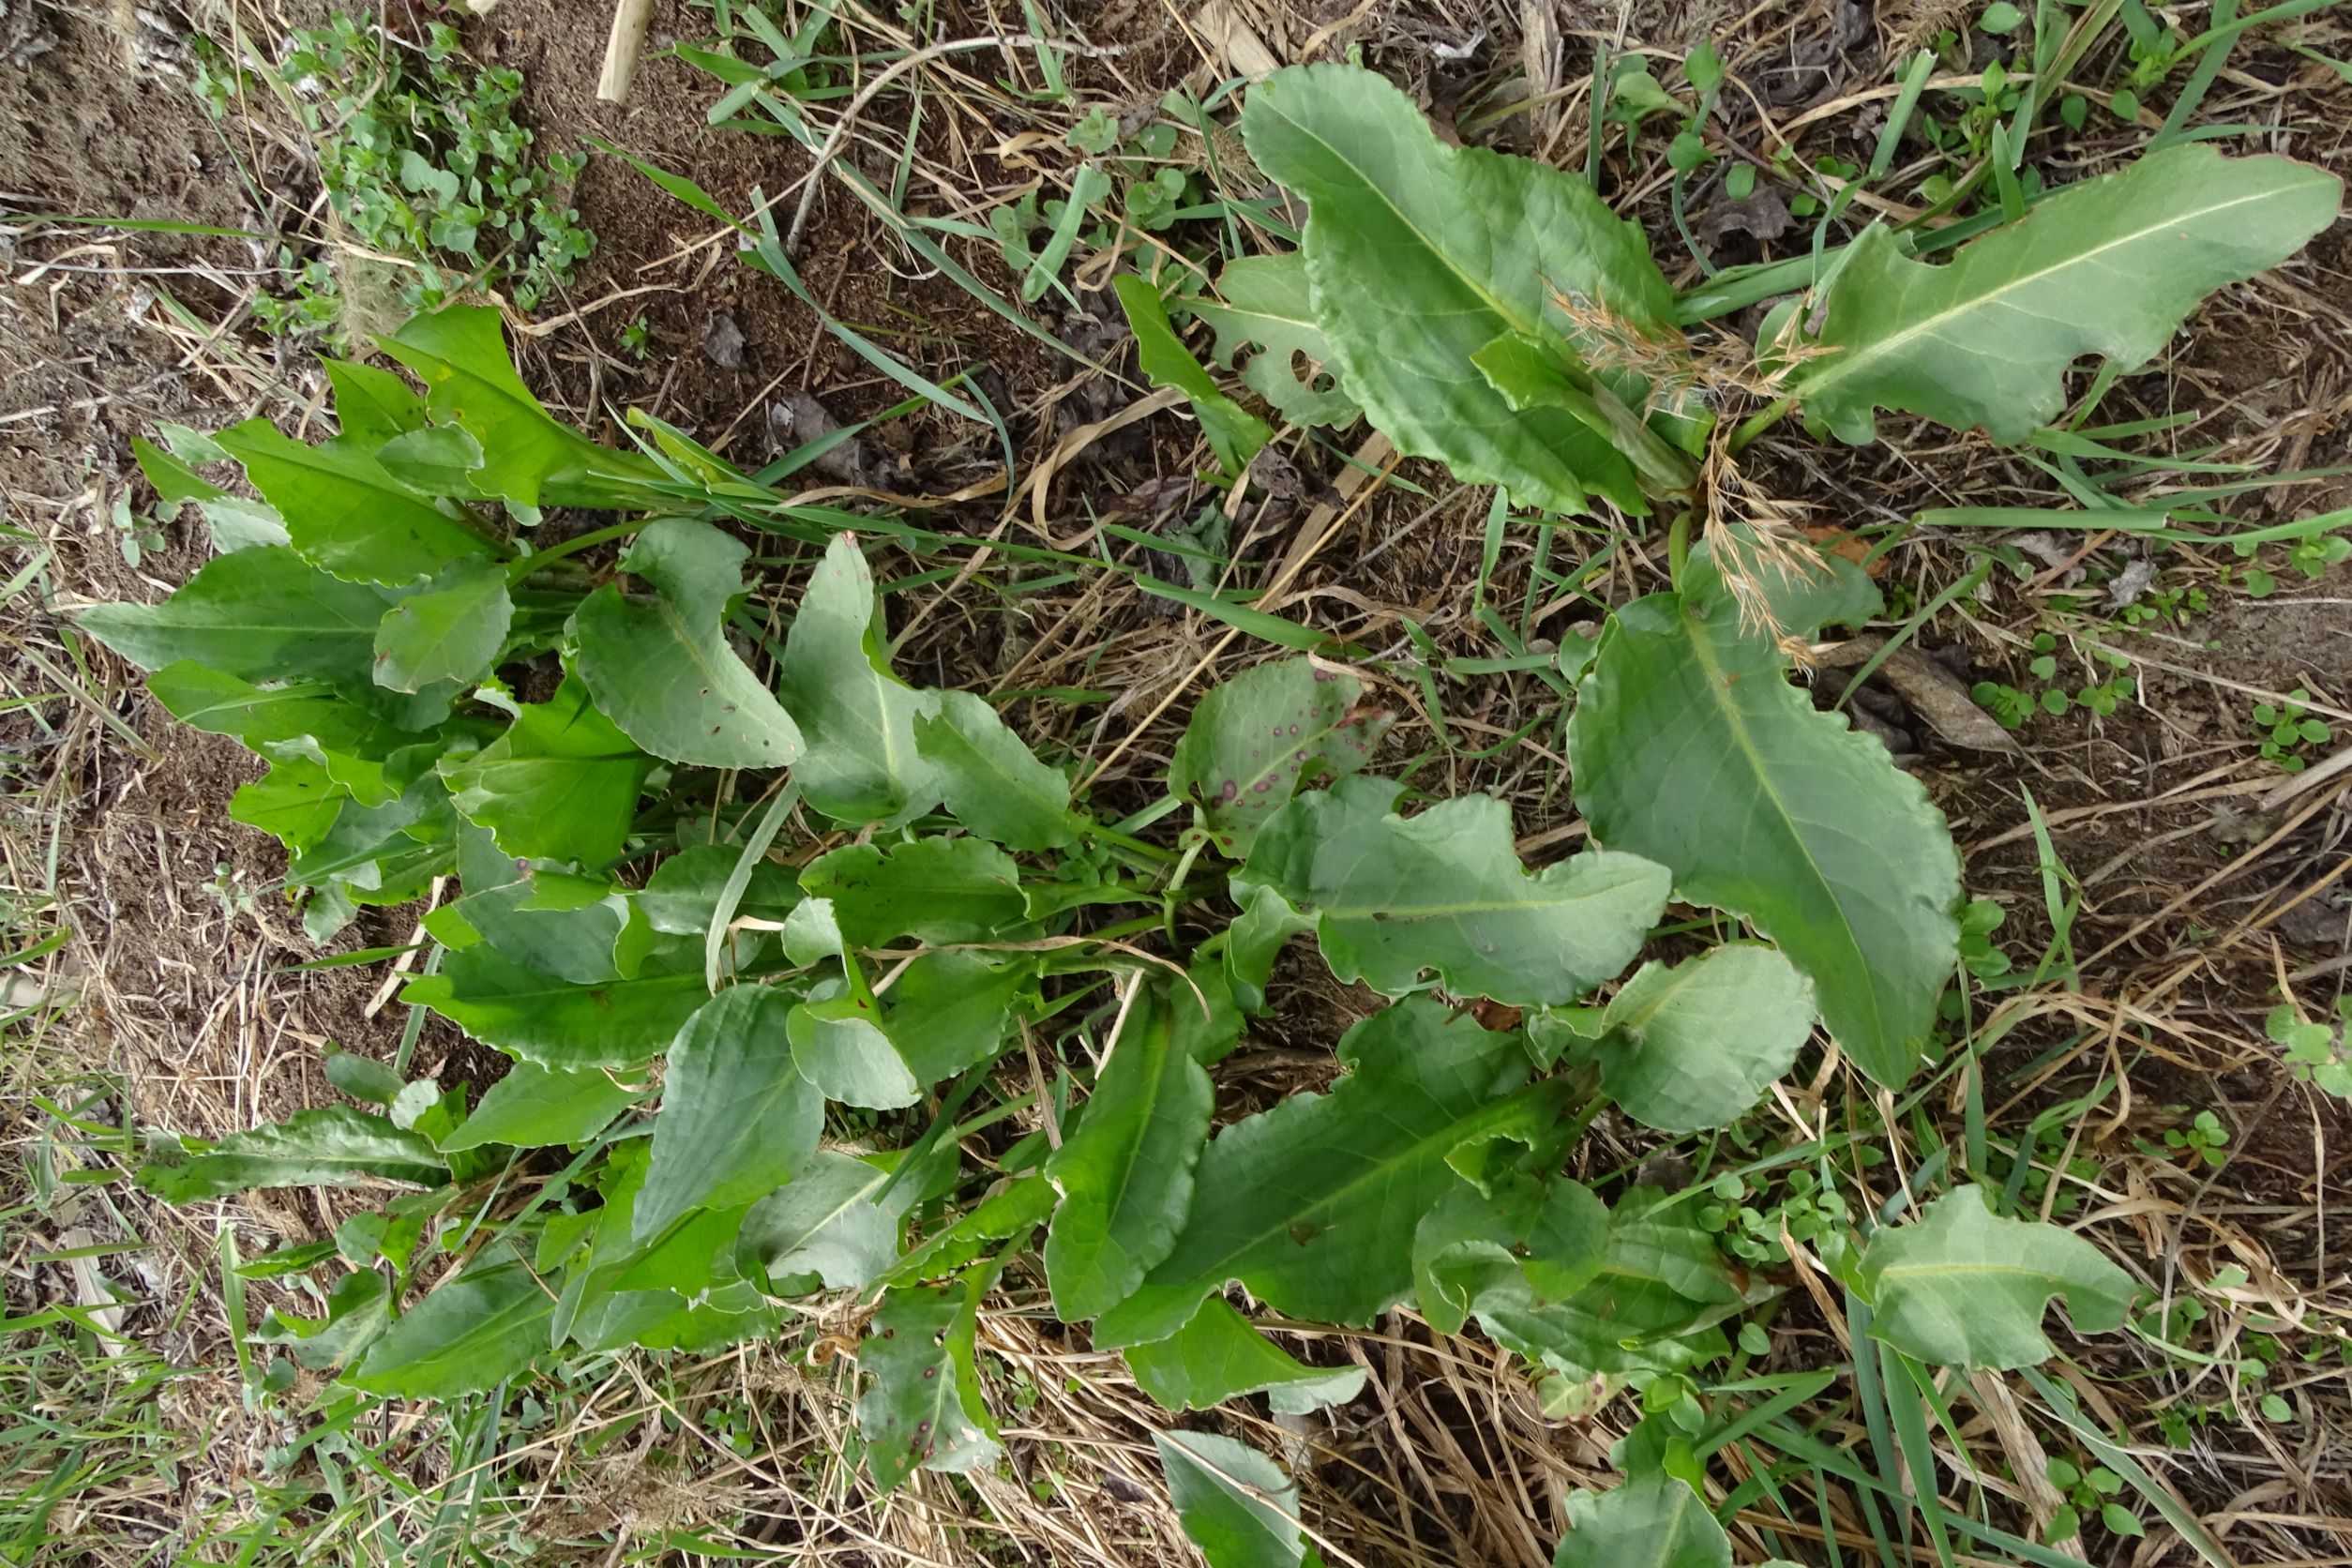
[(737, 1117), (824, 1221), (2111, 265), (533, 1107), (1312, 1205), (371, 405), (993, 783), (1550, 1235), (439, 459), (1419, 255), (863, 764), (296, 803), (459, 354), (661, 666), (924, 1406), (1218, 1356), (1014, 1209), (1652, 1520), (1443, 895), (1694, 1045), (1234, 1502), (358, 1309), (682, 895), (841, 1050), (1652, 1306), (1266, 309), (664, 1320), (1235, 434), (688, 1256), (1965, 1287), (1253, 739), (452, 630), (377, 854), (220, 703), (334, 1146), (260, 614), (934, 890), (473, 1332), (561, 783), (1267, 922), (344, 514), (233, 521), (553, 1022), (954, 1009), (1533, 376), (537, 924), (1689, 745), (1126, 1175)]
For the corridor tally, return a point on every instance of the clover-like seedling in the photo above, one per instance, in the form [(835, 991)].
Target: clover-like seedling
[(2315, 1052), (2287, 728)]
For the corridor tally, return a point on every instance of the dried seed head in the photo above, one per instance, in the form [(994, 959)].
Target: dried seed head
[(1612, 344), (1756, 546)]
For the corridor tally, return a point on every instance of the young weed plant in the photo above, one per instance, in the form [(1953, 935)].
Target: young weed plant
[(757, 947), (424, 161)]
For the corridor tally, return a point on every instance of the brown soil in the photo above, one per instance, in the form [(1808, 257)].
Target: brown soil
[(102, 126), (648, 240)]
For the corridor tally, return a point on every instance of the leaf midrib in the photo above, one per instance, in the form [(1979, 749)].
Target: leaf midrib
[(1395, 912), (565, 990), (2058, 1283), (1718, 691), (341, 628), (492, 1325), (1406, 223), (851, 1200), (365, 1164), (1837, 367), (1458, 1131)]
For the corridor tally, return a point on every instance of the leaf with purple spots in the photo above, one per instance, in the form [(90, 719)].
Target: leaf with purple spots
[(923, 1409), (1252, 741)]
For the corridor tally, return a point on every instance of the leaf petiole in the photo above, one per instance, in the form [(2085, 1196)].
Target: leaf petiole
[(1757, 423), (1679, 545), (523, 565)]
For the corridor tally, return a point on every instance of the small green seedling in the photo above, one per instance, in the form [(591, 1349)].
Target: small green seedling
[(2001, 18), (2311, 557), (2176, 605), (1988, 114), (637, 339), (2203, 1137), (2287, 728), (135, 535), (2012, 707), (2106, 696), (1137, 183), (423, 159), (2042, 1171), (2315, 1052), (1979, 953), (1748, 1221), (2091, 1492), (2155, 49)]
